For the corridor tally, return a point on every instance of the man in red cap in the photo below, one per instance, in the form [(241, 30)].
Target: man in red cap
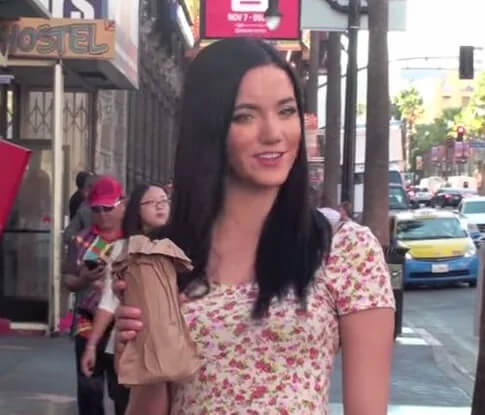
[(84, 272)]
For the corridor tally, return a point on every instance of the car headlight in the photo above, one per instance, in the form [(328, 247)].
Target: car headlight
[(471, 251), (408, 255)]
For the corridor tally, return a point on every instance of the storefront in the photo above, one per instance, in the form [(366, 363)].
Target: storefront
[(53, 72)]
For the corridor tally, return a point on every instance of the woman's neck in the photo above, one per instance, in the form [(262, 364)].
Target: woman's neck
[(236, 233), (245, 209)]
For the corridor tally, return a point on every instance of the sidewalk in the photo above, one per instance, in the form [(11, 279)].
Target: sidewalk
[(37, 378)]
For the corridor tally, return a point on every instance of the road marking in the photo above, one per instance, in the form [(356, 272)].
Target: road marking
[(411, 341), (430, 339), (337, 409), (57, 399), (417, 337), (12, 347), (407, 330)]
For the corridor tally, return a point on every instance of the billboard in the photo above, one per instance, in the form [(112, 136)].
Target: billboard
[(320, 15), (235, 18)]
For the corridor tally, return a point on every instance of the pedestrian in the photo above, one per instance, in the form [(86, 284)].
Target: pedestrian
[(79, 195), (345, 210), (146, 210), (169, 188), (84, 271), (83, 217), (280, 296)]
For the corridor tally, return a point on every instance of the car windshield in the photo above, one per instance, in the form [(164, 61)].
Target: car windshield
[(474, 207), (429, 228), (395, 177), (397, 198)]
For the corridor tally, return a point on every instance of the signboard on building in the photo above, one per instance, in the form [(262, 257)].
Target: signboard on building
[(319, 15), (234, 18), (79, 9), (58, 38), (125, 13)]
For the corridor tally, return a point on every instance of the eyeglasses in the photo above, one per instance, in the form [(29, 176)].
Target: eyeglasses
[(105, 209), (156, 203)]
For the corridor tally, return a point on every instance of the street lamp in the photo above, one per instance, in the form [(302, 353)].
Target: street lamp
[(272, 15)]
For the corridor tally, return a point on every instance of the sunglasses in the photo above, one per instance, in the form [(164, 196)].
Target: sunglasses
[(105, 209)]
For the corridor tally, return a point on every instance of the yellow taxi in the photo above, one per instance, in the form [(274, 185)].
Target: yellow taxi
[(440, 247)]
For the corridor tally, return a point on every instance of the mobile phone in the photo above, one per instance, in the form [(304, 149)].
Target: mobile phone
[(90, 264)]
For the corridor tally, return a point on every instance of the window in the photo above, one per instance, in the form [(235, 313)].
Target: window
[(474, 207), (395, 177), (429, 228), (398, 198)]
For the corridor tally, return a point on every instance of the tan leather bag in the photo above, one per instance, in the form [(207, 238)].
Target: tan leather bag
[(162, 350)]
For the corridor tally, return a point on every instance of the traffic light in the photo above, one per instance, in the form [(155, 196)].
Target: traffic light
[(466, 62), (460, 132)]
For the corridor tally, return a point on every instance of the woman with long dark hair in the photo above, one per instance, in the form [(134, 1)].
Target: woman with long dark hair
[(280, 296), (146, 210)]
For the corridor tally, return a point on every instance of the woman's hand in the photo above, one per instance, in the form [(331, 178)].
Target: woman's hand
[(88, 360)]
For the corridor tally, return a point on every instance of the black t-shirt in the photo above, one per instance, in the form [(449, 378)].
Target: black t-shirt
[(74, 203)]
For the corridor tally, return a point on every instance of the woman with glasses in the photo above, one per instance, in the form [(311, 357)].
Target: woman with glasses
[(147, 210), (271, 298)]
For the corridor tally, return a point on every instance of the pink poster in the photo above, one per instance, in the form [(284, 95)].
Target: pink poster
[(235, 18)]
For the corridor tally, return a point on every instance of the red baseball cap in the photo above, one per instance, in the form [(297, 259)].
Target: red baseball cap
[(106, 191)]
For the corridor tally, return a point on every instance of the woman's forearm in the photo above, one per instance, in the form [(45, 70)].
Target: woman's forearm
[(149, 400)]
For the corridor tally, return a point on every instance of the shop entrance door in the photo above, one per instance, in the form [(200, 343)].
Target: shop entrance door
[(24, 247)]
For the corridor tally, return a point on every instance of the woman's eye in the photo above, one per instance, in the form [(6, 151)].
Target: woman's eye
[(289, 111), (240, 118)]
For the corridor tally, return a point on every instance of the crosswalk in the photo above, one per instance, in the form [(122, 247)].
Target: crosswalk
[(416, 337)]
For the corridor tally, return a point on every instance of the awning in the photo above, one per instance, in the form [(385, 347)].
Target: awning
[(10, 9), (89, 50)]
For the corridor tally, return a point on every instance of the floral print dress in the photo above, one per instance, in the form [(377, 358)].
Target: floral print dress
[(283, 363)]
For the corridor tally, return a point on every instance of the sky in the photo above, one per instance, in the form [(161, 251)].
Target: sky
[(435, 28)]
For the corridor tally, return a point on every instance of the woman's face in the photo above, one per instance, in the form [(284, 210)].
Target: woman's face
[(154, 208), (265, 132)]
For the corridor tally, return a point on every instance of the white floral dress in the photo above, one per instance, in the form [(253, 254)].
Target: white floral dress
[(283, 363)]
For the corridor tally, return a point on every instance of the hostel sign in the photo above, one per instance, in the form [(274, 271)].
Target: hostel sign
[(58, 38)]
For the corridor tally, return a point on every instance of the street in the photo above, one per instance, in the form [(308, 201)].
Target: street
[(433, 365), (445, 317)]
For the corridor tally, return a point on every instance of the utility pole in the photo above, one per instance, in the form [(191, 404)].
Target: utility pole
[(350, 104), (333, 118), (312, 86)]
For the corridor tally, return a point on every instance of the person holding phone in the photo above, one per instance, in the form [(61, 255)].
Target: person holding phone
[(84, 272), (147, 209)]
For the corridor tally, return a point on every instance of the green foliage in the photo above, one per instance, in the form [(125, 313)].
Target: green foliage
[(472, 117), (408, 106)]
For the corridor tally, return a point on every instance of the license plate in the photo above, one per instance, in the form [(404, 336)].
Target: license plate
[(439, 268)]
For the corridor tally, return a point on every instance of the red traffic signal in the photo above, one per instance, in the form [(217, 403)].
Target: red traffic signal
[(460, 132)]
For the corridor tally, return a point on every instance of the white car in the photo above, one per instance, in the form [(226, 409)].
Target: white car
[(473, 210)]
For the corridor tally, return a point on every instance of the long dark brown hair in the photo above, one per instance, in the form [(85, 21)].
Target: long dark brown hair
[(293, 242)]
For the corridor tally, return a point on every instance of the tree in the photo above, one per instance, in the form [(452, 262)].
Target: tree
[(331, 173), (408, 107), (376, 178), (434, 134), (473, 115)]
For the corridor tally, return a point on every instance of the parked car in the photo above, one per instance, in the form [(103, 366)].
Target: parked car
[(448, 196), (473, 210), (440, 248), (420, 196)]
